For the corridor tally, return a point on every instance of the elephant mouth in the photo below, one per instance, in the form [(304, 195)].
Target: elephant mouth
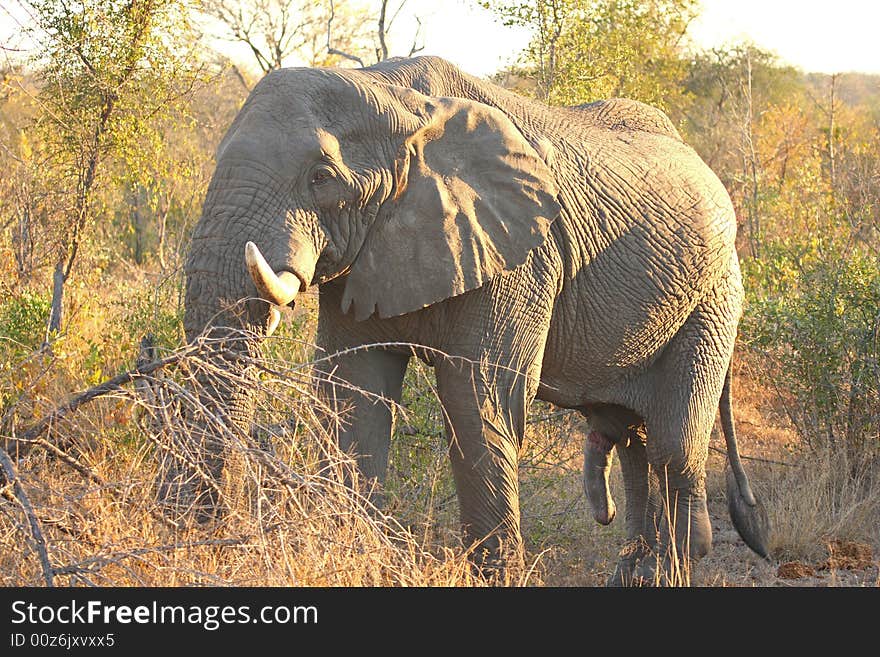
[(279, 287)]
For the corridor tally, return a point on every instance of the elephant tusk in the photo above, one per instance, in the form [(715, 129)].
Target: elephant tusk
[(274, 320), (280, 288)]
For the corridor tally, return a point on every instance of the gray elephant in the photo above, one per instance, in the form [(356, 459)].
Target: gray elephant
[(584, 256)]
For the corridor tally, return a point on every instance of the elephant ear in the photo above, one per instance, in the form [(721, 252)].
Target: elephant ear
[(472, 199)]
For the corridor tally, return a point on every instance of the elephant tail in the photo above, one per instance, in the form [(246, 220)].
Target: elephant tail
[(748, 514)]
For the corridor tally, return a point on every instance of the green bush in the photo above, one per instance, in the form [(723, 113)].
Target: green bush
[(816, 313), (154, 311), (23, 323)]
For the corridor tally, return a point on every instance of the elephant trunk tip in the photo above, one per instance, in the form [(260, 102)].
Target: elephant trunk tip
[(750, 520)]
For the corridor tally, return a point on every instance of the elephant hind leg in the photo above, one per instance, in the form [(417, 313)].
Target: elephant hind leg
[(644, 509), (644, 504), (687, 383)]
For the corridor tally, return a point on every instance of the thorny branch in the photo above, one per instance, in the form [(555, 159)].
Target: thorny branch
[(32, 435)]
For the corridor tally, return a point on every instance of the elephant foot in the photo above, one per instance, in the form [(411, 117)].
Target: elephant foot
[(186, 496), (184, 503), (598, 457), (669, 563), (662, 569), (664, 566), (630, 558), (647, 568), (498, 565)]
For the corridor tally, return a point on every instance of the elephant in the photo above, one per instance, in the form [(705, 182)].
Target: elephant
[(583, 256)]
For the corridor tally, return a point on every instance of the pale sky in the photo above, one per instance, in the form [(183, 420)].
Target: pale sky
[(825, 37), (828, 36)]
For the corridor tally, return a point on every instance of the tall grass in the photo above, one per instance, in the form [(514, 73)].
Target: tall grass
[(828, 495), (292, 509)]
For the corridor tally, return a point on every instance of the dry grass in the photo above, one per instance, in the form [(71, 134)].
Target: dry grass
[(826, 497), (289, 519), (814, 498)]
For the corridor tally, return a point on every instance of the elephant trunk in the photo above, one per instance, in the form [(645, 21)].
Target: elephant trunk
[(219, 405), (232, 302)]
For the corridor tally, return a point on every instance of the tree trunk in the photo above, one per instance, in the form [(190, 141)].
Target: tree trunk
[(58, 280), (162, 226)]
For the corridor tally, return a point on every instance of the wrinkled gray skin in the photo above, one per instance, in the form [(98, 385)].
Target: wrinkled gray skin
[(583, 256)]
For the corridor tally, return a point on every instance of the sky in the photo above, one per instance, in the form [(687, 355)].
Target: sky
[(823, 37)]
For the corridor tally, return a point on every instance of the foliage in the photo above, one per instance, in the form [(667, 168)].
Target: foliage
[(584, 50), (22, 321), (281, 32), (105, 69), (814, 309), (812, 273)]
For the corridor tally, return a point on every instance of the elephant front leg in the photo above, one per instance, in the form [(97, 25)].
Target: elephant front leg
[(485, 421), (360, 388)]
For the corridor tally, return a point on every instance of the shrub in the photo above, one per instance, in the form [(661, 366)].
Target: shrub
[(814, 310), (23, 321)]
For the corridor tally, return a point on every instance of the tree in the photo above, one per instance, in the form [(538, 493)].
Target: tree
[(307, 32), (104, 68), (278, 32), (26, 199), (584, 50), (158, 184), (730, 94), (387, 16)]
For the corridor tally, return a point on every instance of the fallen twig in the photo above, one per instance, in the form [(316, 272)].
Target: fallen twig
[(756, 458), (36, 532)]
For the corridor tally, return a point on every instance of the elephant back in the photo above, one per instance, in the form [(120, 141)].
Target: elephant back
[(626, 114)]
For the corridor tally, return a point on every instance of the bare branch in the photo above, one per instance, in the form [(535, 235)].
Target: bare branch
[(32, 434), (334, 51), (395, 15), (755, 458), (383, 47), (415, 44), (240, 77), (36, 531)]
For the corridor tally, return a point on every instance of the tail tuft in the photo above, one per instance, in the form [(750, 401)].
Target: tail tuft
[(751, 521)]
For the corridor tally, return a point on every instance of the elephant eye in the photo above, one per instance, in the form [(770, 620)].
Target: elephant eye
[(322, 175)]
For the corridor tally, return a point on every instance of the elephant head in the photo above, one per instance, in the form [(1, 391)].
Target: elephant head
[(323, 174)]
